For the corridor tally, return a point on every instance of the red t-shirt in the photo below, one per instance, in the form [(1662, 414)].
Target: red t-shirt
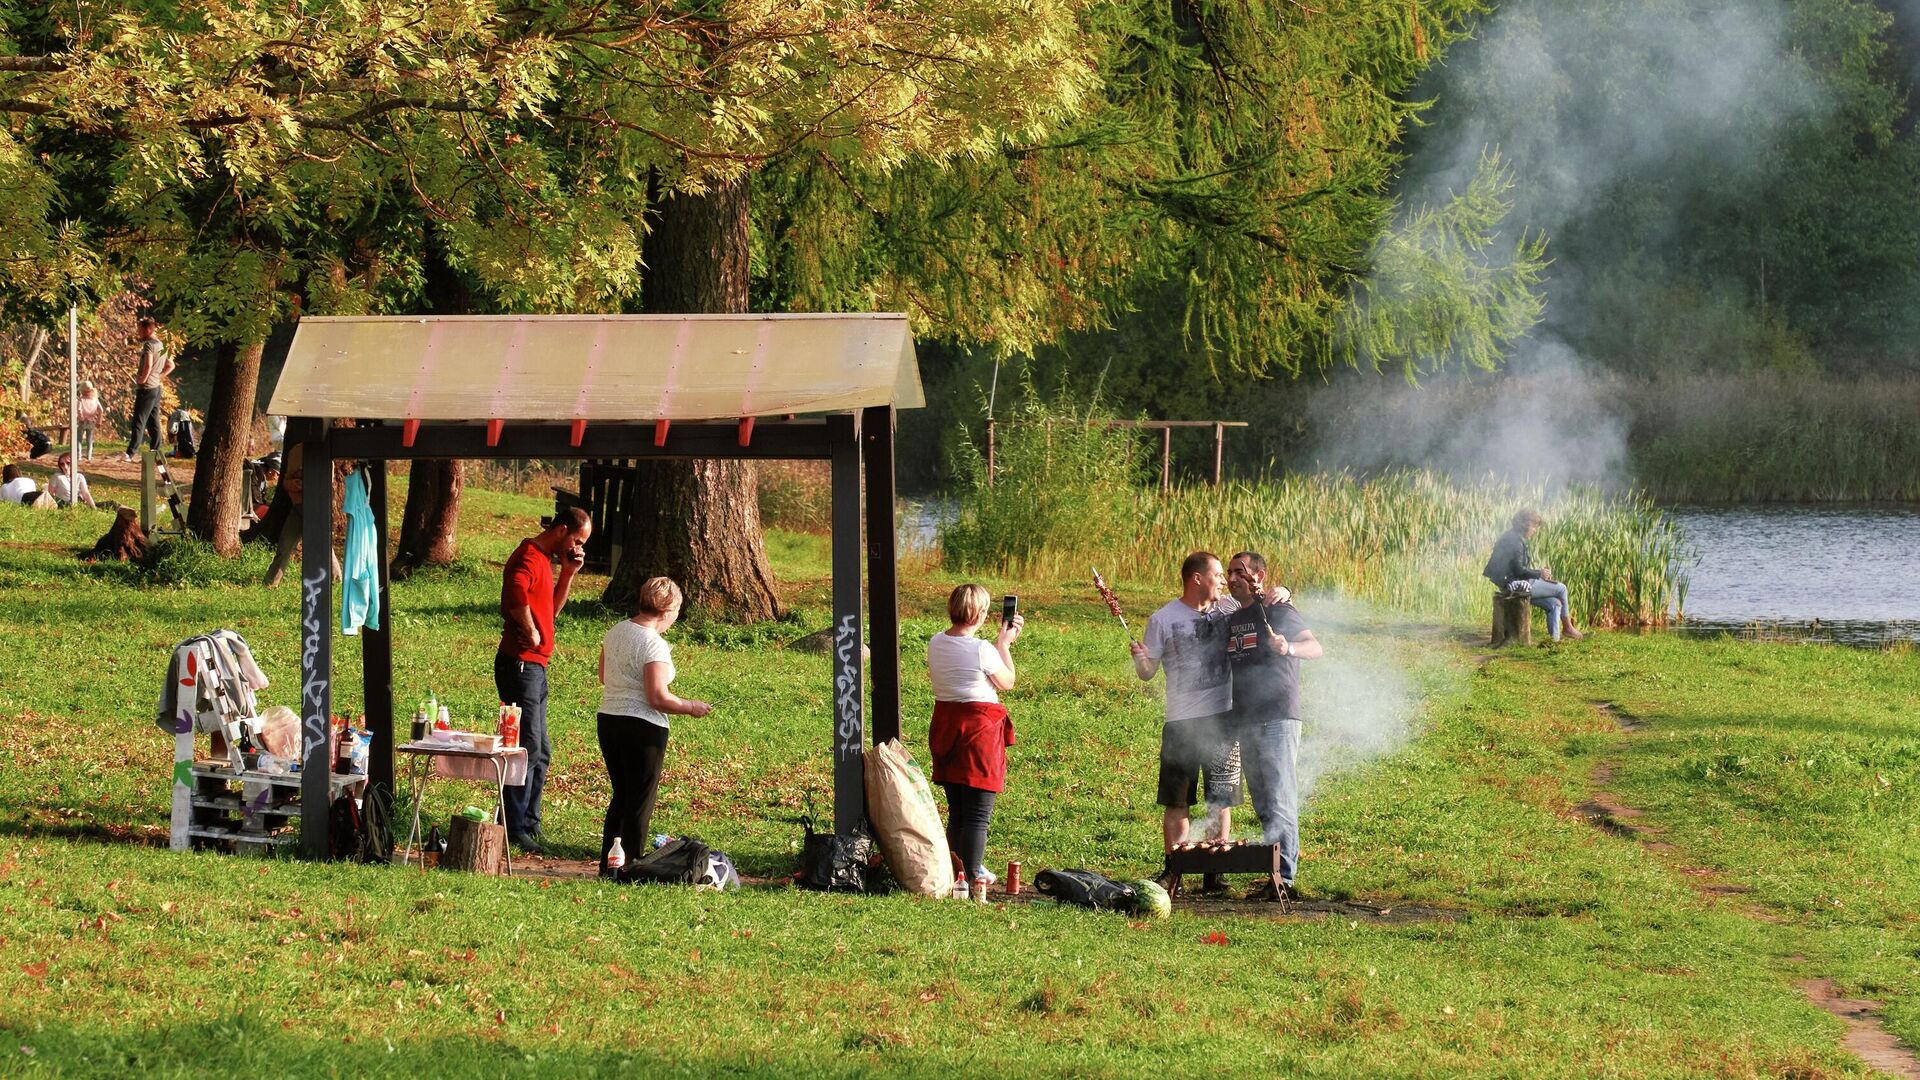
[(528, 583)]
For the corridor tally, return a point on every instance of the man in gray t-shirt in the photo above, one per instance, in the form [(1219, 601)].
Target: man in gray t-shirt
[(1191, 647), (150, 374)]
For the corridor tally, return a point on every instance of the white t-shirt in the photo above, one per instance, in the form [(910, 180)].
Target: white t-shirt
[(14, 490), (1192, 650), (958, 667), (58, 485), (629, 648)]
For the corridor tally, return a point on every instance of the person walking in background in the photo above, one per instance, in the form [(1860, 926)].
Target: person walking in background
[(1511, 568), (87, 413), (1265, 644), (293, 526), (530, 596), (150, 374), (971, 730), (636, 674)]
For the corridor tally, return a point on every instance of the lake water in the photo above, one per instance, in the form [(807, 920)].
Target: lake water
[(1849, 575)]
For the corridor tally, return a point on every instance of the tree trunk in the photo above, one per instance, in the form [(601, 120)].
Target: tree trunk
[(431, 517), (427, 525), (219, 473), (698, 522)]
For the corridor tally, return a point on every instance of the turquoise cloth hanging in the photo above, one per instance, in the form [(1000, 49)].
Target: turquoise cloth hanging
[(360, 583)]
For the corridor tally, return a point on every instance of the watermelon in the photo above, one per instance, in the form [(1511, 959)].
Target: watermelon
[(1151, 900)]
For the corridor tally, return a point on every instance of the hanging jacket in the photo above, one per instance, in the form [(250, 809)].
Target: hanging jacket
[(360, 570), (211, 683)]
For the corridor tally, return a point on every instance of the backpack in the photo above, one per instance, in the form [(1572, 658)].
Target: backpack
[(1084, 888), (685, 860)]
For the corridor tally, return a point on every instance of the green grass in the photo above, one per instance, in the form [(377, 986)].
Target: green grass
[(1572, 952)]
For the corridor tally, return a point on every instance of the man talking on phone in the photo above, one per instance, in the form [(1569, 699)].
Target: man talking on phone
[(530, 596)]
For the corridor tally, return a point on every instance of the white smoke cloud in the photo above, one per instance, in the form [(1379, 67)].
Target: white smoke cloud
[(1360, 701)]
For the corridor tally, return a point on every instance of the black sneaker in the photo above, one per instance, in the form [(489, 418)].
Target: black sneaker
[(1212, 883), (527, 845), (1169, 882)]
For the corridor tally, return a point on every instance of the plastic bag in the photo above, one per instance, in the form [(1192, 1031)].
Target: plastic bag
[(906, 823), (1084, 888), (834, 862)]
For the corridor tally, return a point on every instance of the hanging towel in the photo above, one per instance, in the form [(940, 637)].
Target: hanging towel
[(360, 583), (211, 682)]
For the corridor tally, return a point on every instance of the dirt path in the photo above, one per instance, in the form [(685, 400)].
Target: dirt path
[(1867, 1038)]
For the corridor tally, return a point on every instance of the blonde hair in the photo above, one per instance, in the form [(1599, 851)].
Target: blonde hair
[(656, 596), (968, 605)]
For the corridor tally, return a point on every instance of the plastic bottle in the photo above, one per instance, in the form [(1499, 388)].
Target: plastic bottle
[(420, 722), (442, 721), (509, 725), (616, 855)]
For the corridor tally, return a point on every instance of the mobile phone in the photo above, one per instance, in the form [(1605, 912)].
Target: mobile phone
[(1009, 607)]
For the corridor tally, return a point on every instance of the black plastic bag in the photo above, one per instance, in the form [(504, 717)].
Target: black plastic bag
[(1086, 889), (680, 861), (834, 862)]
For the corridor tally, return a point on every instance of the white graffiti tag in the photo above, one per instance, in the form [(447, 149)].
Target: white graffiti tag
[(846, 685), (314, 693)]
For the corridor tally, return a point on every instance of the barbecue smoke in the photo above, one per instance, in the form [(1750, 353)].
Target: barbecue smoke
[(1359, 701), (1594, 107)]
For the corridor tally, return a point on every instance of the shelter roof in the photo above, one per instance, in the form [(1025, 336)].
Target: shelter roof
[(596, 367)]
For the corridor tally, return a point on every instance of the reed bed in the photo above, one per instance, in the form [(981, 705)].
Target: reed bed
[(1410, 540)]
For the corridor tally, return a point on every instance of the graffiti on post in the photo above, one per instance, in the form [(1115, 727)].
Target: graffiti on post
[(313, 694), (846, 685)]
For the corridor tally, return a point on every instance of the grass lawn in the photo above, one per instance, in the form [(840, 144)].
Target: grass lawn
[(1570, 951)]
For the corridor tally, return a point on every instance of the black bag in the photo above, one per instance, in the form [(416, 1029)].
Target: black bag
[(834, 862), (681, 861), (1084, 888)]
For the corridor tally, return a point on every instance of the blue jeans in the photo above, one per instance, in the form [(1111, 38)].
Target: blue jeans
[(1270, 748), (146, 419), (1551, 597), (524, 683)]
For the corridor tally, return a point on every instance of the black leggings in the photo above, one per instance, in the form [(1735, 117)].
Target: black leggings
[(634, 750), (969, 812)]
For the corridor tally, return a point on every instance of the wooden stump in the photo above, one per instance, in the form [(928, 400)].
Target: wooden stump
[(1512, 620), (479, 846)]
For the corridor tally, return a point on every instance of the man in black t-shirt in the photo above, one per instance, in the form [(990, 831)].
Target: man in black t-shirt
[(1265, 644)]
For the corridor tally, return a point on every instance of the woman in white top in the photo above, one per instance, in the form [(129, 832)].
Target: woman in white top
[(971, 731), (636, 674)]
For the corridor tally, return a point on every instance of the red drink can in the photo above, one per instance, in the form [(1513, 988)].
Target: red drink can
[(1013, 879)]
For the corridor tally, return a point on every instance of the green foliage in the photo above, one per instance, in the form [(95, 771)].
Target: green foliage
[(1061, 477), (188, 562)]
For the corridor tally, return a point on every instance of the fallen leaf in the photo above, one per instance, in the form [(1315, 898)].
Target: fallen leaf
[(166, 908), (38, 970), (693, 957), (499, 1017)]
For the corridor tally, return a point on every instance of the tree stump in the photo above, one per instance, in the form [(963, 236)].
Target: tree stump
[(1512, 620), (479, 846)]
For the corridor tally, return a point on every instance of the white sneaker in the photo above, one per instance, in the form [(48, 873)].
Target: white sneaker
[(989, 877)]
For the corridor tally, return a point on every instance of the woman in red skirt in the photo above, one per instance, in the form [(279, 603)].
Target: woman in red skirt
[(971, 730)]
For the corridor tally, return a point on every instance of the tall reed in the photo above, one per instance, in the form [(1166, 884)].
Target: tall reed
[(1408, 540)]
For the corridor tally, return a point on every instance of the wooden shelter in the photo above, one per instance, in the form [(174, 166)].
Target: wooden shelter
[(824, 387)]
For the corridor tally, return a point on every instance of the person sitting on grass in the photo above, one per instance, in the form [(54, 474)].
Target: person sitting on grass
[(66, 492), (1511, 569), (971, 730), (15, 487), (636, 674)]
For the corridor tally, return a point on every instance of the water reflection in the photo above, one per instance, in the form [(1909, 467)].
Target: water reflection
[(1846, 575)]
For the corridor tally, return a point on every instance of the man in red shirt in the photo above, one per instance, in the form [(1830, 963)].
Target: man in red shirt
[(529, 598)]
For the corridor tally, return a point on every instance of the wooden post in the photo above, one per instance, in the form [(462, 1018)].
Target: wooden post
[(1219, 445), (989, 453), (1512, 620), (1166, 459), (477, 846), (376, 652), (316, 638), (883, 596), (149, 495), (849, 786)]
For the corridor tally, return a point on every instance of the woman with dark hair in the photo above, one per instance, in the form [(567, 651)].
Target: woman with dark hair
[(636, 672), (1511, 568)]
